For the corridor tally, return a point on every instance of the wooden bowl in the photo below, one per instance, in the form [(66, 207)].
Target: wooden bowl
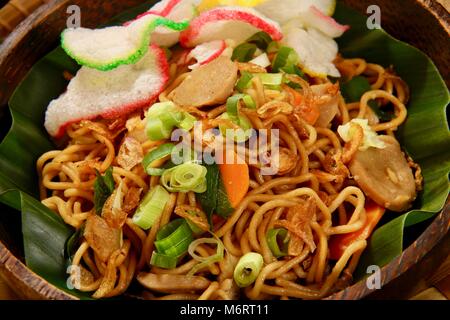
[(422, 23)]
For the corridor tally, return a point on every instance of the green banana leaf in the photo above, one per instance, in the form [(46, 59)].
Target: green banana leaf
[(425, 137), (44, 233)]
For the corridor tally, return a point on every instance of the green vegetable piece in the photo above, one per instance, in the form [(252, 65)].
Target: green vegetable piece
[(223, 207), (215, 198), (156, 129), (162, 117), (174, 239), (285, 58), (103, 188), (240, 135), (273, 47), (270, 79), (244, 52), (163, 261), (244, 81), (275, 238), (208, 199), (248, 269), (260, 39), (73, 242), (294, 69), (185, 177), (204, 262), (151, 207), (160, 152), (353, 90)]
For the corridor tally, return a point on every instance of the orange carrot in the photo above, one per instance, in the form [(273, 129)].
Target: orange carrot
[(338, 243), (296, 97), (236, 179)]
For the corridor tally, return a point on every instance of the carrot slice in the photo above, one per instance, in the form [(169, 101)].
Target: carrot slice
[(236, 180), (296, 96), (338, 243)]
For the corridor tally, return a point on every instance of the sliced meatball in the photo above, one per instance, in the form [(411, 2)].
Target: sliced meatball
[(172, 283), (207, 85), (384, 175)]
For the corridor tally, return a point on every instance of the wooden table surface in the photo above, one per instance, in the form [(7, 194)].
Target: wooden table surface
[(5, 292), (438, 290)]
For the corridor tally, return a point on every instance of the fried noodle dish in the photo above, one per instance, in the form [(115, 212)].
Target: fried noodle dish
[(310, 162)]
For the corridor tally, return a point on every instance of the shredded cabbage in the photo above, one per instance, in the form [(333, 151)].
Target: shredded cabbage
[(370, 139)]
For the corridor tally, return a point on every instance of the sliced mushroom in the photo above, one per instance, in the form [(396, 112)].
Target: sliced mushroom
[(172, 283), (207, 85), (327, 99), (384, 175)]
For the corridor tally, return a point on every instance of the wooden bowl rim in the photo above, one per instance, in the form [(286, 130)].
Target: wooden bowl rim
[(15, 268)]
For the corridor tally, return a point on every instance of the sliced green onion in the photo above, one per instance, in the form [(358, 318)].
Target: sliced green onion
[(156, 129), (151, 207), (270, 79), (274, 87), (248, 269), (160, 108), (260, 39), (172, 242), (294, 69), (185, 177), (275, 237), (169, 228), (175, 245), (171, 118), (285, 57), (160, 152), (205, 261), (238, 135), (233, 115), (244, 52), (163, 261), (176, 242), (244, 81), (249, 102), (274, 46), (233, 107), (187, 122), (163, 117), (233, 104)]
